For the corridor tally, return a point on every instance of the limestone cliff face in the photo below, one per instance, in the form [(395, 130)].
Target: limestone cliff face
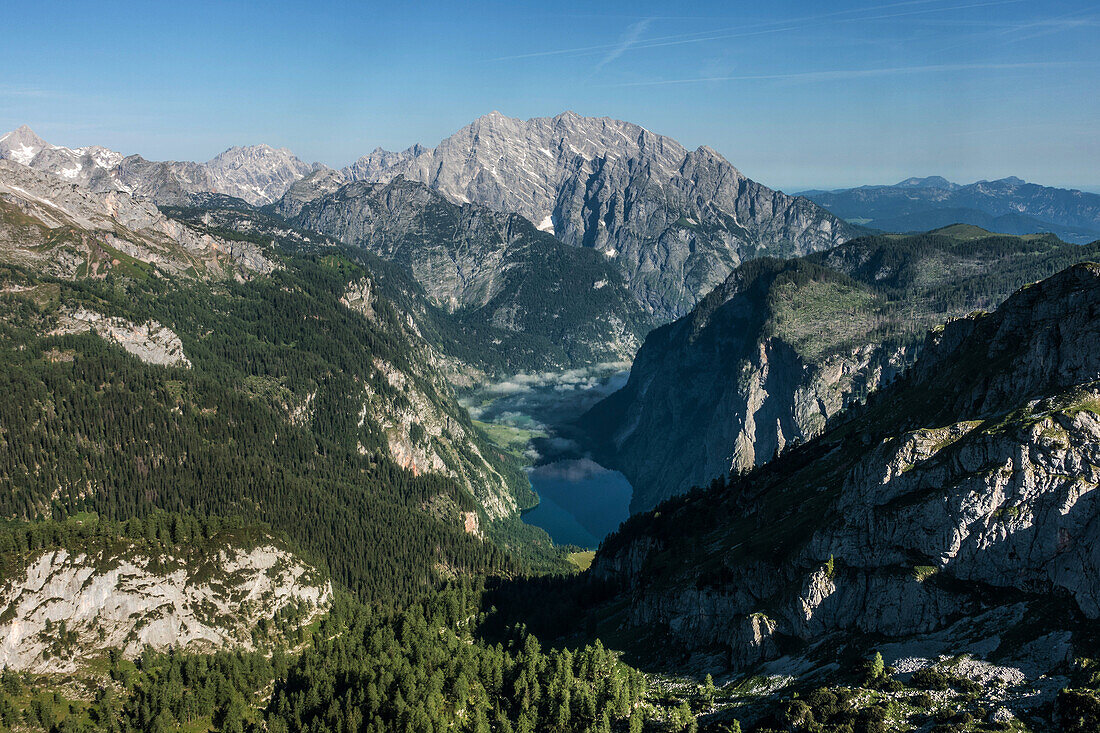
[(61, 610), (674, 222), (425, 429), (779, 348), (151, 342), (321, 182), (492, 271), (678, 234), (462, 268), (723, 390), (946, 512)]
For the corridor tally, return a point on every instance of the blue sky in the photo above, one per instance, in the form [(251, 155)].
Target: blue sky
[(795, 94)]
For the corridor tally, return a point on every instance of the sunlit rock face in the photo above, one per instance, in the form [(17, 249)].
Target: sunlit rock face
[(62, 610), (674, 221)]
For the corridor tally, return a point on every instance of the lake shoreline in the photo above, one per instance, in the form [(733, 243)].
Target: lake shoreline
[(531, 417)]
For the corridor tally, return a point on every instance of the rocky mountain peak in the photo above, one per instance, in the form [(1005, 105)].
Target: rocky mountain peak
[(22, 131), (21, 145), (64, 229), (638, 197), (238, 153), (322, 181), (259, 174)]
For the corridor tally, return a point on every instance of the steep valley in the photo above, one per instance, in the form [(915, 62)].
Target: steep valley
[(580, 501), (555, 426), (232, 378)]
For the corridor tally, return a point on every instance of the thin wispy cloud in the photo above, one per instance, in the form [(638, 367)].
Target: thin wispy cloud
[(947, 8), (854, 15), (1014, 32), (22, 92), (630, 38), (1028, 31), (1007, 26), (847, 74), (996, 130)]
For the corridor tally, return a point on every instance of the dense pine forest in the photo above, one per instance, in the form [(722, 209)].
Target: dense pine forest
[(89, 428), (103, 452), (427, 667)]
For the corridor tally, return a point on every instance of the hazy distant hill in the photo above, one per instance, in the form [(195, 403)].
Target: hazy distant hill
[(1007, 206)]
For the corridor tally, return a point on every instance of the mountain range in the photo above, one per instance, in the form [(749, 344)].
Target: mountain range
[(243, 490), (673, 222), (1007, 206), (258, 174)]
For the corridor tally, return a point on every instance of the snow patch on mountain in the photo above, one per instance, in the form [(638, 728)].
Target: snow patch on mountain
[(258, 174)]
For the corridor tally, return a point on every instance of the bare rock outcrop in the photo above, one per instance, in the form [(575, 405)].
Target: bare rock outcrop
[(62, 610), (150, 341), (73, 231)]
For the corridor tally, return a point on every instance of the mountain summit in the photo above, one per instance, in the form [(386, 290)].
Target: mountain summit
[(676, 221), (21, 145), (259, 174), (927, 182), (88, 166), (519, 165)]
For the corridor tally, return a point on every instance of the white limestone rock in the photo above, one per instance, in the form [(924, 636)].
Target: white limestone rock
[(126, 601)]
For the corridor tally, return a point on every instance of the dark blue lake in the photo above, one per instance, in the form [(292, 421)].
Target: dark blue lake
[(580, 501)]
